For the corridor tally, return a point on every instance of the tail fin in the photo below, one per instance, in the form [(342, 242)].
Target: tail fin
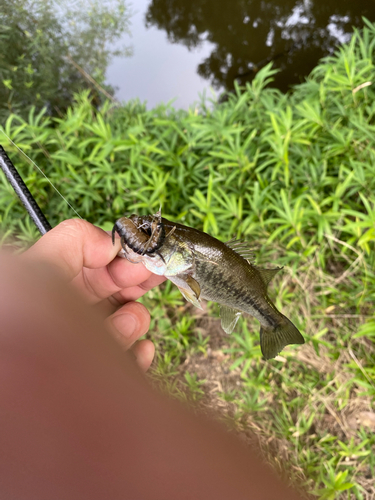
[(273, 340)]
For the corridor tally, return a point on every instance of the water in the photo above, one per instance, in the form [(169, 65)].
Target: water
[(184, 47), (158, 71)]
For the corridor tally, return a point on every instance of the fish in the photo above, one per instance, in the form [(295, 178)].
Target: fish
[(203, 267)]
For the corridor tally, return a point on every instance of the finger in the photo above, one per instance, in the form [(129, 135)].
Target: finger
[(129, 323), (125, 274), (135, 292), (99, 284), (144, 351), (112, 303), (107, 307), (74, 244)]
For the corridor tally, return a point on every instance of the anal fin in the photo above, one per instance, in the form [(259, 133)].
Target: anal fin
[(229, 318)]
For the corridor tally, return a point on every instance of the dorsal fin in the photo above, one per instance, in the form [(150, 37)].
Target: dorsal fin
[(242, 248), (268, 274)]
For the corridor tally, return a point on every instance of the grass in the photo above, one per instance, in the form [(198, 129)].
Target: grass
[(295, 175)]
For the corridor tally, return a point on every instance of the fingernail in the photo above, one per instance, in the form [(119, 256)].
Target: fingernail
[(125, 324)]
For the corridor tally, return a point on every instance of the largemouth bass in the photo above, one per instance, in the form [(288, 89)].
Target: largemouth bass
[(205, 268)]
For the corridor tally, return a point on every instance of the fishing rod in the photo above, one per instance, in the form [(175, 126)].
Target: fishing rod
[(23, 193)]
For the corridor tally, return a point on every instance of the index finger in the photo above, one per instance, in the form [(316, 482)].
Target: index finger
[(116, 279)]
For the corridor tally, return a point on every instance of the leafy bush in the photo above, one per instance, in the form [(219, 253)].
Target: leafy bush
[(295, 175)]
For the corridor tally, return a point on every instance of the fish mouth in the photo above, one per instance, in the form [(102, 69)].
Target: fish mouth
[(144, 235)]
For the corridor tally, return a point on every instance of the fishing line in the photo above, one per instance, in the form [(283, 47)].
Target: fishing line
[(41, 171)]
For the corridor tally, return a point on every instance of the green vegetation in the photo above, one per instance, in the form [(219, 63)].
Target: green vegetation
[(295, 175), (48, 48)]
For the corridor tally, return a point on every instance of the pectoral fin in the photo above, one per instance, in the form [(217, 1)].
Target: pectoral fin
[(189, 288), (229, 318), (194, 285), (190, 296)]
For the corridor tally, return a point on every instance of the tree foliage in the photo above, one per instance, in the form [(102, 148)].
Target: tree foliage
[(40, 40)]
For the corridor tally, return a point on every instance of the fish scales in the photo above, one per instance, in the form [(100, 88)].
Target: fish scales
[(224, 276), (205, 268), (230, 286)]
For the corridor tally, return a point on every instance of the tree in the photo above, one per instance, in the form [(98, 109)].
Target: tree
[(48, 47)]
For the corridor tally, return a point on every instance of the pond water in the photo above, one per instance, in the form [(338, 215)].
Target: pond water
[(185, 47)]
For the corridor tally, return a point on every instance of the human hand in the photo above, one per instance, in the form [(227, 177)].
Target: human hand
[(86, 256), (72, 406)]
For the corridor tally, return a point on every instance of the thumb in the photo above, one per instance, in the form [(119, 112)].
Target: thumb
[(72, 245)]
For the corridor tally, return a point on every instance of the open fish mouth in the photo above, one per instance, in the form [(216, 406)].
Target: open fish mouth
[(143, 235)]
